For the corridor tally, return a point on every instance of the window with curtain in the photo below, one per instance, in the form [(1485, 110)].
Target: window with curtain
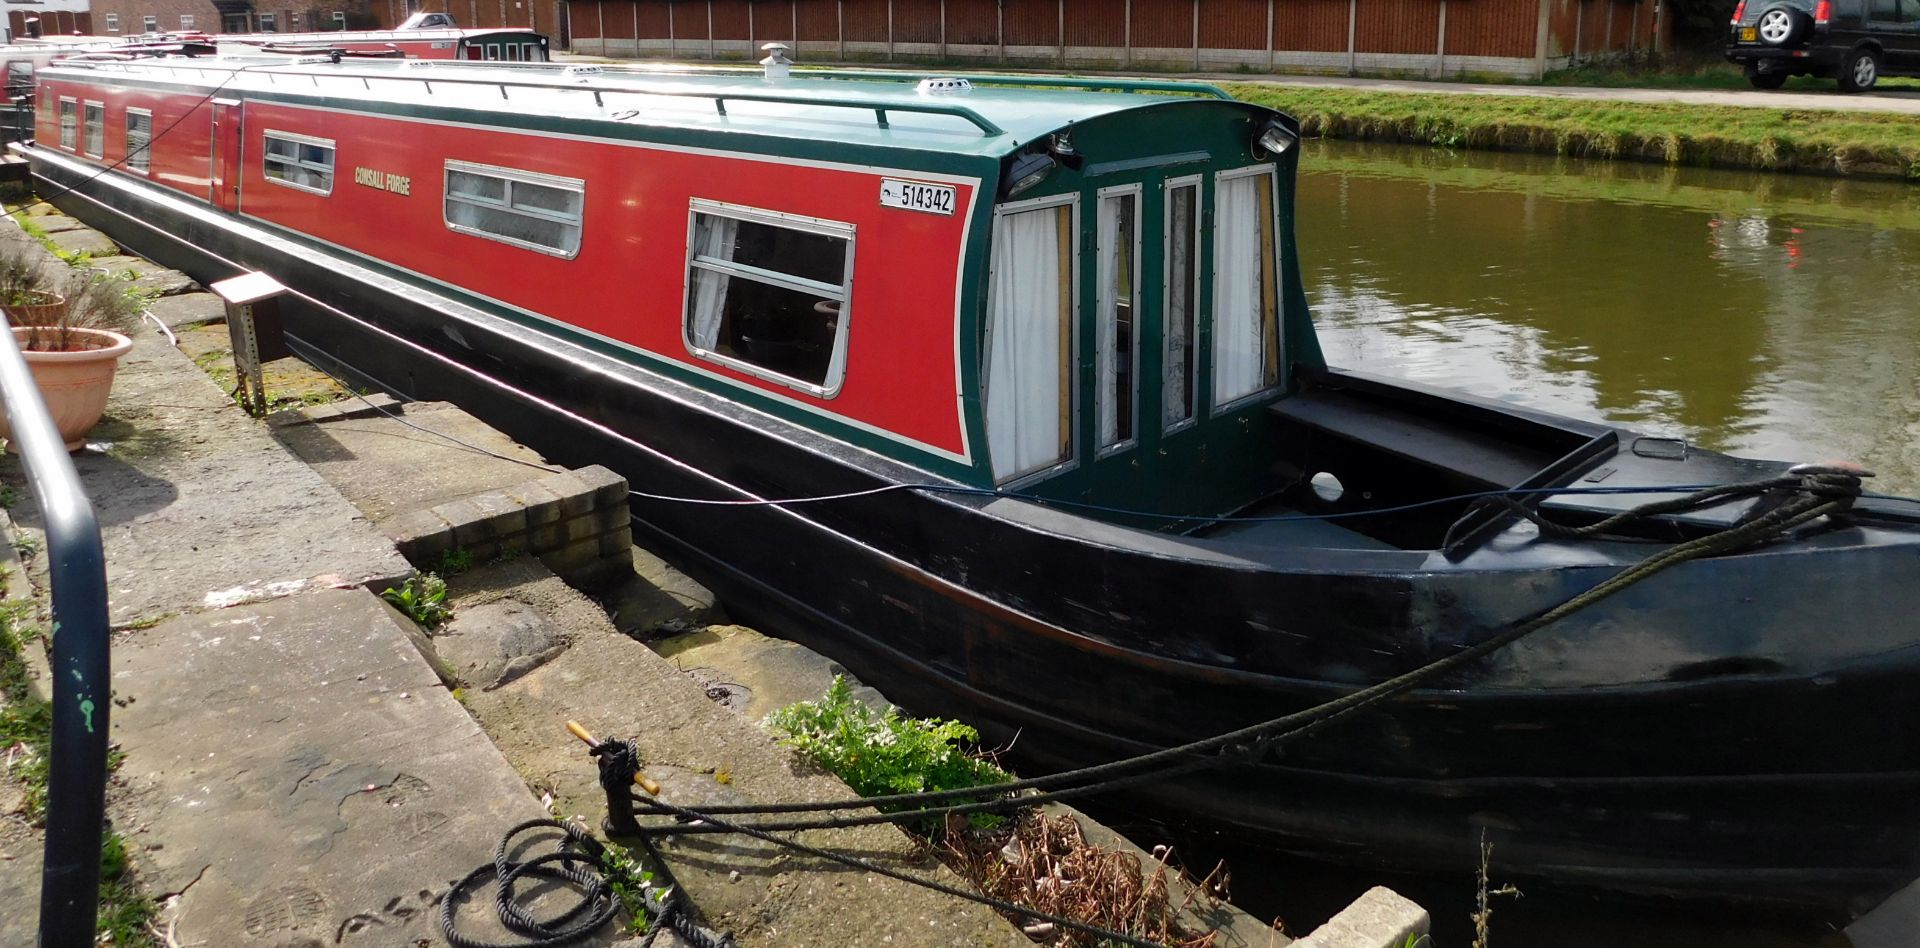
[(139, 138), (1113, 346), (768, 294), (69, 123), (1183, 303), (1029, 342), (523, 208), (298, 162), (1246, 300), (96, 129)]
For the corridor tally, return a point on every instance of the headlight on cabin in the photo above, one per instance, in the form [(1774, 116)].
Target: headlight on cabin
[(1028, 170), (1273, 139)]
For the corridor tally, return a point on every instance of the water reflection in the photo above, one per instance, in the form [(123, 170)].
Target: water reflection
[(1760, 314)]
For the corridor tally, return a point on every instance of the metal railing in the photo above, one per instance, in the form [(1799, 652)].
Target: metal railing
[(77, 781)]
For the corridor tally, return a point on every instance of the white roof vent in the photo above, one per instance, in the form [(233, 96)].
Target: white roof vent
[(777, 64), (582, 71), (944, 85)]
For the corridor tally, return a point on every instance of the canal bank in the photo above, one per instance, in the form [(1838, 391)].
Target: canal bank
[(305, 764)]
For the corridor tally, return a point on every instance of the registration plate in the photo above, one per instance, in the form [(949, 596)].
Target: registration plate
[(1749, 34), (914, 196)]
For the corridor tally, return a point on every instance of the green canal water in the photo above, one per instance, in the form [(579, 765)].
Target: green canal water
[(1769, 315)]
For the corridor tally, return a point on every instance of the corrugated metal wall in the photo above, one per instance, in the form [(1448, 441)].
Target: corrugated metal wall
[(1336, 35)]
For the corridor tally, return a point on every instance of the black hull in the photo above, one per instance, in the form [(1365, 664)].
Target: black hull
[(1793, 783)]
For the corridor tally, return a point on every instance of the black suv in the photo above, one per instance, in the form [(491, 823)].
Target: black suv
[(1852, 41)]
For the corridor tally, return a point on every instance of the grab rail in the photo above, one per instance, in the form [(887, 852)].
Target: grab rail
[(719, 97), (77, 781)]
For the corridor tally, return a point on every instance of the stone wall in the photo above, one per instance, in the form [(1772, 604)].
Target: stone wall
[(575, 522)]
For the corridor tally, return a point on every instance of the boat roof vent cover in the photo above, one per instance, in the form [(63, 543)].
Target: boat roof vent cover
[(582, 71), (944, 85), (777, 64)]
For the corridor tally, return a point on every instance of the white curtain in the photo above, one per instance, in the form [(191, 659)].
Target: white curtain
[(1106, 358), (1175, 387), (1239, 352), (1023, 343), (713, 237)]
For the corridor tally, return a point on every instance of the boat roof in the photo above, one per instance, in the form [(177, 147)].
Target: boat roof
[(992, 116)]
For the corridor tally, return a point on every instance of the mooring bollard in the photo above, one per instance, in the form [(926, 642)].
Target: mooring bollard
[(619, 773)]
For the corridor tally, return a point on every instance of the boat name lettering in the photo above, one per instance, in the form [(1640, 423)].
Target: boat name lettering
[(914, 196), (396, 183)]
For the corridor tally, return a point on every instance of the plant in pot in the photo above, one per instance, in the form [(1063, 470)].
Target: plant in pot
[(73, 347)]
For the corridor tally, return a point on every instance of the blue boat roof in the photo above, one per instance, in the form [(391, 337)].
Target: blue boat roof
[(988, 115)]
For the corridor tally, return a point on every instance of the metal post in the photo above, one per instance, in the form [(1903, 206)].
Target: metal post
[(1353, 19), (1196, 35), (840, 25), (77, 570), (1440, 49), (1579, 21), (709, 30), (1000, 27), (889, 30), (1270, 43), (943, 30), (1126, 37)]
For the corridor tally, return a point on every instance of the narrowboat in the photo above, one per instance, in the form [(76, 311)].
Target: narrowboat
[(1004, 392)]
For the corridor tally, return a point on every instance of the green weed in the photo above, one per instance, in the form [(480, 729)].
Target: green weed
[(126, 914), (26, 544), (881, 754), (9, 495), (423, 598), (453, 562), (629, 883)]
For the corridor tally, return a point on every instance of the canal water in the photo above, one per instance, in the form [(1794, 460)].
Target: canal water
[(1772, 315), (1760, 314)]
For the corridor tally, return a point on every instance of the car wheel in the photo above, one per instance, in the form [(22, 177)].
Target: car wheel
[(1860, 71), (1782, 26), (1767, 80)]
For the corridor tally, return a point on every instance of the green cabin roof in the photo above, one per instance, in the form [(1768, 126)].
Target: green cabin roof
[(997, 115)]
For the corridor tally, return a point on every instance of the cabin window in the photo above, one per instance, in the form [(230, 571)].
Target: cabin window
[(523, 208), (531, 52), (1183, 302), (69, 122), (139, 138), (150, 24), (96, 130), (298, 161), (1114, 356), (113, 22), (767, 293), (20, 78), (1029, 343), (1246, 297)]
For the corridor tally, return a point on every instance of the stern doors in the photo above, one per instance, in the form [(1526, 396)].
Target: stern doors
[(224, 174), (1123, 322)]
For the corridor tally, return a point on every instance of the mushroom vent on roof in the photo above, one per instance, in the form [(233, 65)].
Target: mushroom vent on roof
[(944, 86)]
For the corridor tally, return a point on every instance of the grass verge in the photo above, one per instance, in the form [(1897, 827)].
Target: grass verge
[(126, 915), (1821, 142)]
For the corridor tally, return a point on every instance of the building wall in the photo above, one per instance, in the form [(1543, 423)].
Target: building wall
[(128, 17), (1422, 37), (51, 22)]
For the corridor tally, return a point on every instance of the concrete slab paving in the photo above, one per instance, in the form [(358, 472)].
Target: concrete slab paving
[(187, 308), (298, 777), (200, 508), (146, 276), (702, 754), (20, 856), (84, 240), (389, 466)]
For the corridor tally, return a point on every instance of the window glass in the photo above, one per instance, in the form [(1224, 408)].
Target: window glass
[(1029, 342), (96, 129), (69, 123), (1113, 346), (1882, 10), (113, 22), (1183, 303), (1246, 306), (513, 207), (20, 78), (186, 21), (268, 24), (301, 163), (139, 137), (150, 24), (767, 296)]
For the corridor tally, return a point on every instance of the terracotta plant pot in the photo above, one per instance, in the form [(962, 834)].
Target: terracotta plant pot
[(73, 383), (47, 312)]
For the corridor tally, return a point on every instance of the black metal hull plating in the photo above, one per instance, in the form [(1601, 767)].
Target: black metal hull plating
[(1776, 785)]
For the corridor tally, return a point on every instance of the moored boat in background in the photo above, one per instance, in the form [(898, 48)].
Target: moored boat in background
[(1005, 394)]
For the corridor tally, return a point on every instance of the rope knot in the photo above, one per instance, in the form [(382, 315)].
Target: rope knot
[(619, 761), (1833, 480)]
